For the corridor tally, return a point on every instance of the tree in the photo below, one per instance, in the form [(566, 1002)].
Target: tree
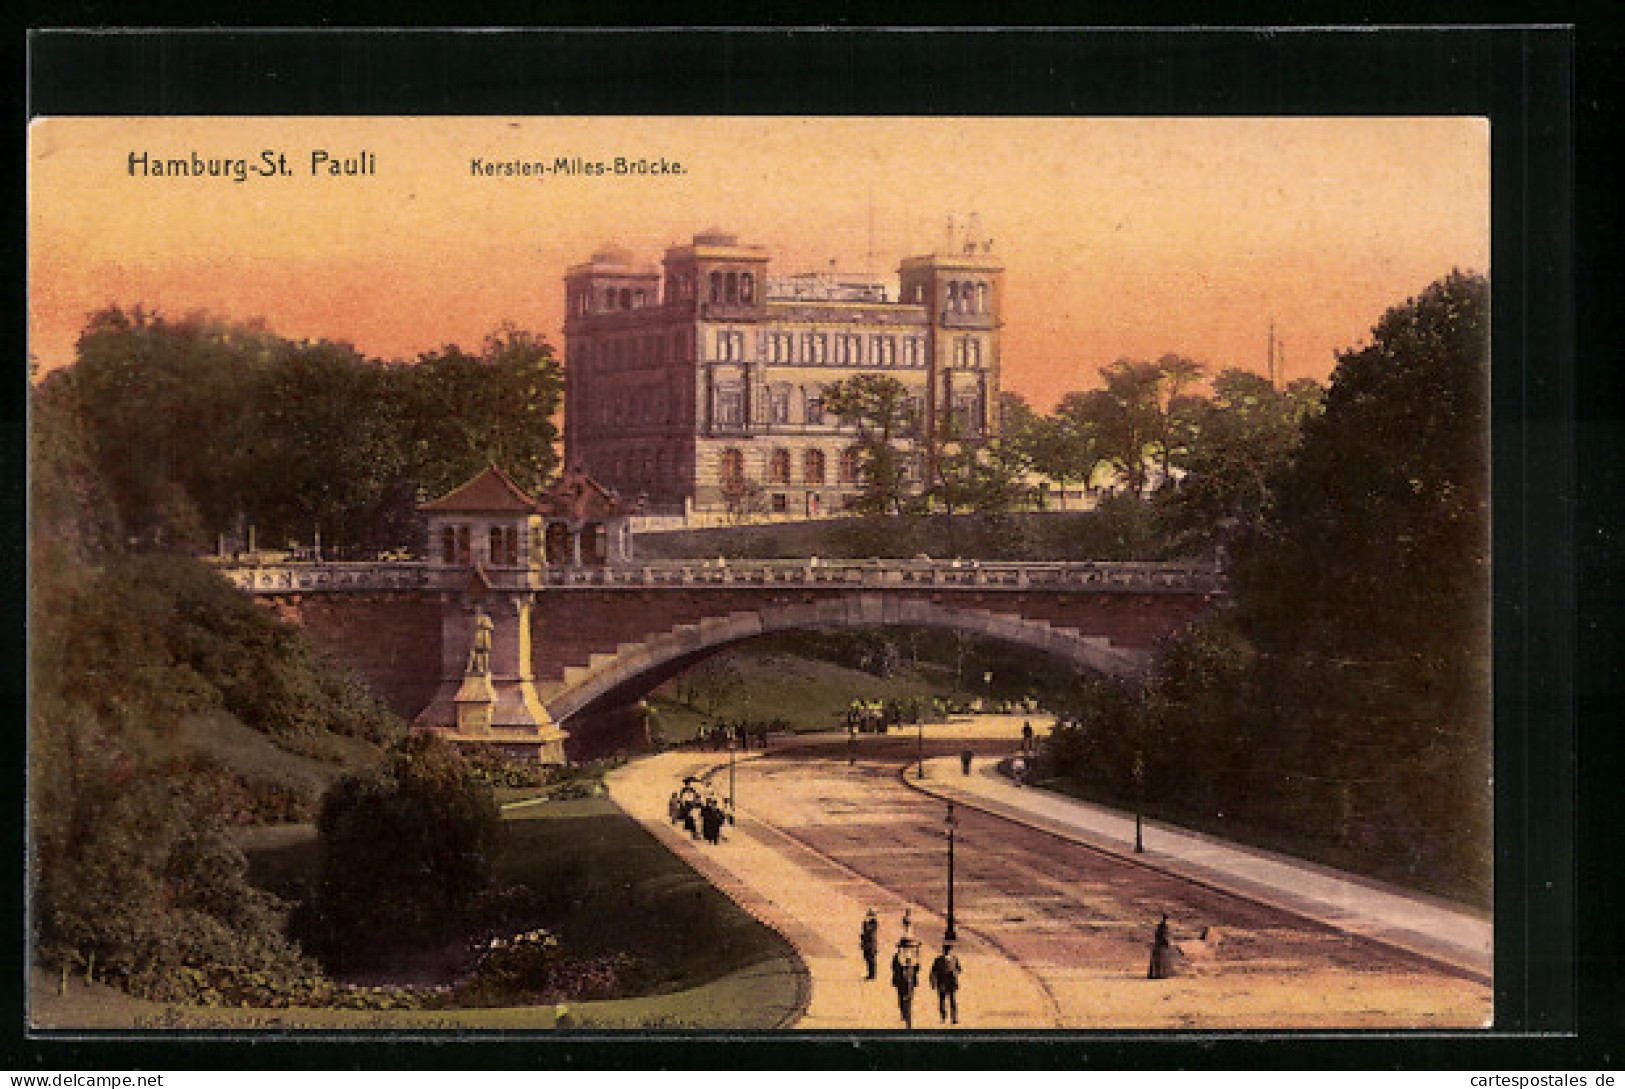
[(328, 448), (878, 407), (169, 409), (1241, 437), (1141, 418), (460, 413), (1367, 592), (406, 852), (1067, 446), (1379, 525), (981, 477)]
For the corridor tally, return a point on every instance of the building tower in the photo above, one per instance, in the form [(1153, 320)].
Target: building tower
[(962, 292)]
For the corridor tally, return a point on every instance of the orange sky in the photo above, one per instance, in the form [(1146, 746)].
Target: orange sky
[(1120, 237)]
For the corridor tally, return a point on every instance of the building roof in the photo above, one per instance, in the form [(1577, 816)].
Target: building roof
[(577, 496), (491, 492)]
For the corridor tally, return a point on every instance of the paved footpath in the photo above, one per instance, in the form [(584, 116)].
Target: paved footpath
[(818, 904)]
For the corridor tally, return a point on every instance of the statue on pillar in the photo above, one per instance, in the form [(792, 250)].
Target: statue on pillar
[(479, 655)]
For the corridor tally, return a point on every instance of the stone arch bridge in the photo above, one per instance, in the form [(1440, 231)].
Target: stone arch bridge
[(576, 643)]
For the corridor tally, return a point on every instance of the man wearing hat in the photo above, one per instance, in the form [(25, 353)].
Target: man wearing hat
[(869, 941), (945, 981), (905, 976)]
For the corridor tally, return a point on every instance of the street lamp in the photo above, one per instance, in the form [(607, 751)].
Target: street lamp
[(1139, 801), (733, 734), (950, 934), (919, 748)]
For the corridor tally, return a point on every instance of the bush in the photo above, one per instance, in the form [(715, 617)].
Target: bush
[(406, 853)]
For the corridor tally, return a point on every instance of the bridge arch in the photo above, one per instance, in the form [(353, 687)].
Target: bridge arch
[(633, 670)]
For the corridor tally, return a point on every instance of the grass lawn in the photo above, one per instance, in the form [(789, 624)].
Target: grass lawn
[(596, 878), (808, 693)]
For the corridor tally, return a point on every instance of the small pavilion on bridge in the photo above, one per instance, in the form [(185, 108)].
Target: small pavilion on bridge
[(489, 545), (491, 522)]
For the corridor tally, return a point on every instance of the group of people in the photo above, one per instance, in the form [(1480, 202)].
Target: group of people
[(905, 969), (700, 815), (946, 968)]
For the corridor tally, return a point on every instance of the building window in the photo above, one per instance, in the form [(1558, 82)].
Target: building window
[(815, 409), (733, 467), (883, 351), (778, 405), (747, 287), (849, 466), (848, 348), (448, 546), (781, 503), (730, 407), (812, 467), (777, 347), (778, 467), (814, 345), (465, 549), (981, 298), (716, 287), (504, 547), (973, 352), (730, 345)]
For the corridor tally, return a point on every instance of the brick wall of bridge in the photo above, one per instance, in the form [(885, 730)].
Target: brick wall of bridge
[(392, 640), (569, 627)]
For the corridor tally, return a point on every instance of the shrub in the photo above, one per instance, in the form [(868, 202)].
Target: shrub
[(406, 853)]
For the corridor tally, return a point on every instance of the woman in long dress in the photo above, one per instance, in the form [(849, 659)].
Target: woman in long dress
[(1162, 952)]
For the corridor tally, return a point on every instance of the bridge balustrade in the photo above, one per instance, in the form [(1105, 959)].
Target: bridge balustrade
[(308, 577)]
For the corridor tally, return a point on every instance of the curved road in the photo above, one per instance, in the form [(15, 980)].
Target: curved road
[(1052, 933)]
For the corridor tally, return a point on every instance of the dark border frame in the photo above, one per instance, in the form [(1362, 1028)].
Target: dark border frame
[(1522, 77)]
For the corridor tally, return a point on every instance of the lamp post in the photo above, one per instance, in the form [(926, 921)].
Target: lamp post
[(919, 748), (733, 735), (950, 934), (1139, 801)]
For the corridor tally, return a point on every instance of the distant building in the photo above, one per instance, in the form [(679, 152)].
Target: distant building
[(700, 385)]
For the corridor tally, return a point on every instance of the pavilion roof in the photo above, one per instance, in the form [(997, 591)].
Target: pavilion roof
[(491, 492)]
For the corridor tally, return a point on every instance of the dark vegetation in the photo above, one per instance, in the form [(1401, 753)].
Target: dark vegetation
[(197, 428), (406, 856), (1122, 528), (1342, 705), (164, 706)]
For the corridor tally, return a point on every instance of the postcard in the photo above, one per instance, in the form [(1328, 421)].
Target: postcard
[(759, 574)]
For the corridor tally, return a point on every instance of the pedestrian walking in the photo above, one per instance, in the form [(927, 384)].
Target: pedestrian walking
[(869, 941), (905, 976), (1162, 952), (711, 820), (965, 758), (944, 980)]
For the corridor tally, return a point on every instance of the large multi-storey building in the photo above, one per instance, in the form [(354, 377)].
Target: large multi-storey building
[(694, 384)]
